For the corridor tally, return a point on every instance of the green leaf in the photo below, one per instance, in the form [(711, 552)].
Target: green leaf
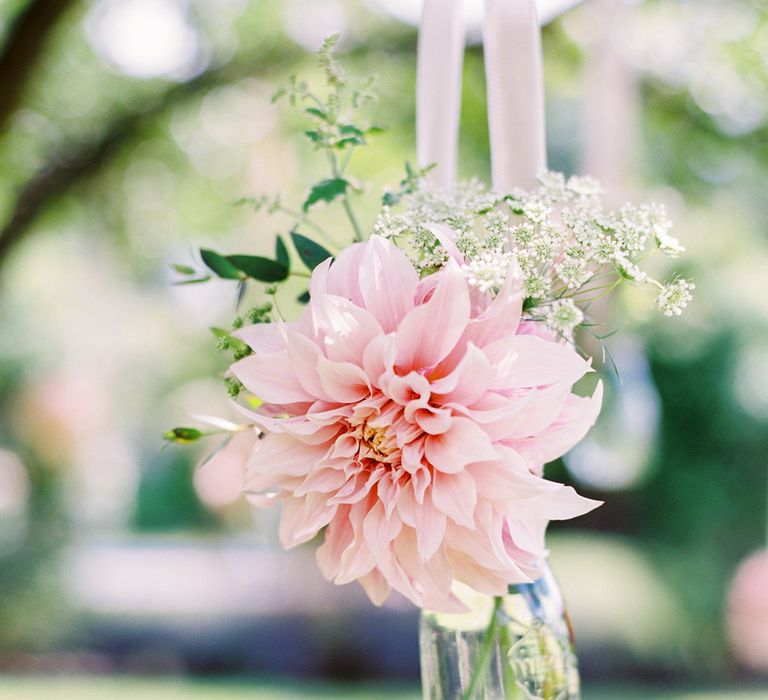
[(262, 269), (183, 269), (350, 129), (390, 199), (220, 265), (314, 136), (374, 131), (281, 253), (196, 280), (315, 112), (352, 136), (311, 253), (183, 436), (326, 191), (303, 298)]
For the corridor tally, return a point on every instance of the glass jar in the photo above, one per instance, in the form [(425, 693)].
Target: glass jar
[(519, 646)]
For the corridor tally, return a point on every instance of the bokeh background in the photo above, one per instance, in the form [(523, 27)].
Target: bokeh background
[(128, 130)]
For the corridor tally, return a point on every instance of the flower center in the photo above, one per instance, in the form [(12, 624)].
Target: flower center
[(377, 441)]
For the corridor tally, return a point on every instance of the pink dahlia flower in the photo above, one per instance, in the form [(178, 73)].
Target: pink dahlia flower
[(408, 418)]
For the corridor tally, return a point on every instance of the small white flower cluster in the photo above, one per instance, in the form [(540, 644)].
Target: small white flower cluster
[(568, 249), (563, 316), (488, 271), (674, 297), (457, 211)]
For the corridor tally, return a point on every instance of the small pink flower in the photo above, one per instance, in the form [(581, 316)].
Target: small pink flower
[(415, 418)]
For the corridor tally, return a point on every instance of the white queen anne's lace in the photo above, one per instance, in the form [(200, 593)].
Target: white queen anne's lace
[(569, 250)]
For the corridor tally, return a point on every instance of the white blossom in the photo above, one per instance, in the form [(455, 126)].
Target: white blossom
[(559, 234), (675, 296), (488, 271), (563, 316)]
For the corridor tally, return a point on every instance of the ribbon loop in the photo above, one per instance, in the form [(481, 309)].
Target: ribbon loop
[(514, 76), (438, 89)]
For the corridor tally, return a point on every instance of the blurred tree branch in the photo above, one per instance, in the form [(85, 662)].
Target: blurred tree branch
[(21, 51), (84, 160)]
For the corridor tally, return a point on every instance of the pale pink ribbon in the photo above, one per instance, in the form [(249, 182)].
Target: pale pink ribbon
[(514, 75)]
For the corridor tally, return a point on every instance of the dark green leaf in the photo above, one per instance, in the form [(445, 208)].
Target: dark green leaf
[(303, 298), (315, 112), (350, 141), (183, 269), (281, 253), (350, 129), (390, 199), (374, 131), (326, 191), (196, 280), (262, 269), (311, 253), (183, 435), (314, 136), (220, 265)]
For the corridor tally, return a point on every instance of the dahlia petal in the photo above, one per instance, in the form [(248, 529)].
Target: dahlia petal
[(388, 490), (344, 272), (578, 416), (525, 361), (542, 410), (379, 357), (387, 282), (499, 320), (399, 579), (303, 354), (412, 387), (356, 561), (343, 381), (284, 454), (428, 522), (270, 377), (463, 444), (323, 480), (318, 284), (338, 536), (482, 579), (375, 585), (302, 519), (429, 332), (467, 382), (344, 329), (494, 413), (263, 337), (379, 530), (433, 421), (434, 576), (455, 495)]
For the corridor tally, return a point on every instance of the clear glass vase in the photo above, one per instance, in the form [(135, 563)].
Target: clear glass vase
[(515, 646)]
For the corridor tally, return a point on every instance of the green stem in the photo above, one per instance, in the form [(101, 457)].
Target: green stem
[(277, 307), (485, 650), (304, 219), (505, 644), (345, 199)]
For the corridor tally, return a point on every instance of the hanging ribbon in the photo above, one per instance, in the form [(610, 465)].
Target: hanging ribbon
[(438, 89), (514, 76)]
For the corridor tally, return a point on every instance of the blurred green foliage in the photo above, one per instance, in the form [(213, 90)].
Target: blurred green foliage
[(107, 177)]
